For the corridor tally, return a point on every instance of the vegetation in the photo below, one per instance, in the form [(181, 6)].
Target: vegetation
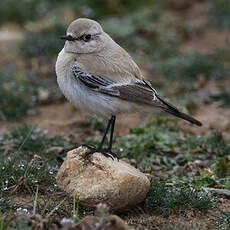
[(16, 94), (166, 201), (28, 159), (182, 48)]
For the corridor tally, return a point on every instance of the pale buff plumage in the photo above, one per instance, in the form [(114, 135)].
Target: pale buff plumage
[(103, 57), (112, 61), (109, 59)]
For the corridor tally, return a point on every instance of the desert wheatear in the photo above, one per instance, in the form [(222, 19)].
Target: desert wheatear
[(97, 75)]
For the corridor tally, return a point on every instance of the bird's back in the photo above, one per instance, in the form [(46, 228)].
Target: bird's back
[(113, 62)]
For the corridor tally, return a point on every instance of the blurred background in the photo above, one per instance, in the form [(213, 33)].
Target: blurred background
[(181, 46)]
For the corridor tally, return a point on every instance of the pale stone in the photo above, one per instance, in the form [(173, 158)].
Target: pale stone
[(101, 180)]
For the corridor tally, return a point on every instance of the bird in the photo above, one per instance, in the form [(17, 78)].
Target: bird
[(96, 74)]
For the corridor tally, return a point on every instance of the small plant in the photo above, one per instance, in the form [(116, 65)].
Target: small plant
[(75, 209), (165, 200)]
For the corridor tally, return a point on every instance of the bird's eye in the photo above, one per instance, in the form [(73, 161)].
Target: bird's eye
[(87, 37)]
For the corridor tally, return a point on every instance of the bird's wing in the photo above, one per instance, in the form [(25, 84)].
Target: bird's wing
[(138, 91)]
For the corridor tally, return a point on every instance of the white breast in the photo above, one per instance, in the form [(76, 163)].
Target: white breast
[(83, 97)]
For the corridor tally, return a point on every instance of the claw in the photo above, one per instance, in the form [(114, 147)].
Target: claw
[(87, 146), (106, 152)]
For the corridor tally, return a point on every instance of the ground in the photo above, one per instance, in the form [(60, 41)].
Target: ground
[(183, 49)]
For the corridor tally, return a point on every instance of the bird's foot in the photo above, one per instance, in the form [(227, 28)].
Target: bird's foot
[(105, 151)]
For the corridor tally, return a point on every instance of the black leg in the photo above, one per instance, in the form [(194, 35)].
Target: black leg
[(111, 137), (100, 147), (105, 134), (111, 132)]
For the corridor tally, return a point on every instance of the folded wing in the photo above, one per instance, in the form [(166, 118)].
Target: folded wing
[(138, 91)]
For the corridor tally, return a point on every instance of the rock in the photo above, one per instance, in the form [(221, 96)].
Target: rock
[(101, 180), (111, 222), (43, 95)]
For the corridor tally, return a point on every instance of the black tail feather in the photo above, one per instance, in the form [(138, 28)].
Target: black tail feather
[(183, 116), (169, 108)]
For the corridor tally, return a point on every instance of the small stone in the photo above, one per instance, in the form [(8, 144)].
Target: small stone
[(43, 95), (56, 149), (99, 179)]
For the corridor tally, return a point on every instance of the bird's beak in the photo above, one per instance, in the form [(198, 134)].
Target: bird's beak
[(67, 37)]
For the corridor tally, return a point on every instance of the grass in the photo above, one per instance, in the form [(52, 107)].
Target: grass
[(162, 145), (27, 159), (163, 137), (27, 168), (165, 201)]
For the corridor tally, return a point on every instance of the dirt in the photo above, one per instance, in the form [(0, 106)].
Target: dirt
[(207, 40), (212, 117), (64, 119), (154, 222), (157, 222)]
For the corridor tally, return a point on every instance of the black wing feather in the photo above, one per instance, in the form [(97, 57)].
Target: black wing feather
[(137, 91)]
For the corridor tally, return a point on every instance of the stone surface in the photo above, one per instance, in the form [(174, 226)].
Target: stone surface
[(101, 180), (111, 222)]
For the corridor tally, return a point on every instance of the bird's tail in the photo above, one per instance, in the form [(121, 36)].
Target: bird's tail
[(174, 111), (184, 116)]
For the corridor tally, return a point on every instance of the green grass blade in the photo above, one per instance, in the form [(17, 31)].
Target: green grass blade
[(74, 203), (56, 207), (35, 201), (46, 206), (2, 223), (26, 138)]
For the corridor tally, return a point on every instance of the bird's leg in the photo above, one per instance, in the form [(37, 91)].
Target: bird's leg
[(99, 148), (111, 137), (111, 133)]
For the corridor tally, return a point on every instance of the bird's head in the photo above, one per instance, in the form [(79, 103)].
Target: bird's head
[(84, 36)]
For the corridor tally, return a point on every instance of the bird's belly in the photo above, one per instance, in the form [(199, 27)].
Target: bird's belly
[(90, 100)]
